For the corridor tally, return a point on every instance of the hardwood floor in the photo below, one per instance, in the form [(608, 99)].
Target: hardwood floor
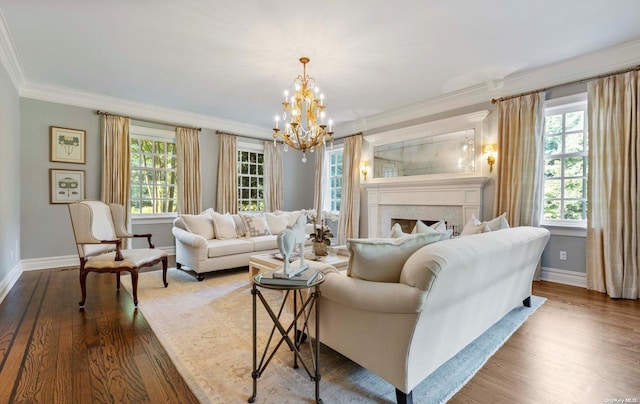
[(580, 347)]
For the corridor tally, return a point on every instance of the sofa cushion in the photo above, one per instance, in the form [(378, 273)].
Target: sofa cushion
[(498, 223), (255, 224), (438, 227), (220, 248), (261, 243), (396, 231), (201, 224), (225, 227), (380, 259), (474, 226)]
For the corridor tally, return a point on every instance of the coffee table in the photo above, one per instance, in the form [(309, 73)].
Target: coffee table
[(268, 262)]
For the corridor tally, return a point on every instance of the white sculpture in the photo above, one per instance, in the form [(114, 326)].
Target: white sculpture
[(288, 239)]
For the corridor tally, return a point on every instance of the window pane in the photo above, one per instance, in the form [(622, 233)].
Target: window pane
[(135, 192), (147, 146), (552, 189), (159, 147), (160, 161), (552, 209), (246, 182), (552, 168), (135, 160), (252, 169), (171, 148), (135, 207), (135, 145), (574, 142), (147, 160), (574, 188), (552, 145), (574, 121), (553, 124), (574, 167), (575, 210)]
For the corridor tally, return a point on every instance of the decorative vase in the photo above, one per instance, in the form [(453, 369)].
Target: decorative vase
[(319, 248)]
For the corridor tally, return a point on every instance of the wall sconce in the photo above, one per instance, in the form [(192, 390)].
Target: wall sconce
[(364, 169), (490, 150)]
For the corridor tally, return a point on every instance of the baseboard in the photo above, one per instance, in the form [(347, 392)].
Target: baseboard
[(7, 283), (36, 264), (563, 276)]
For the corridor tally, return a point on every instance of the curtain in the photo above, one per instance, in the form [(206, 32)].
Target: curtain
[(188, 169), (520, 160), (273, 177), (349, 223), (319, 183), (116, 163), (227, 200), (612, 189)]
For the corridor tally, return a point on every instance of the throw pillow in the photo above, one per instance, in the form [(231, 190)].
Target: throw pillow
[(225, 227), (498, 223), (201, 224), (396, 231), (255, 225), (381, 260), (438, 227), (239, 225), (277, 223), (474, 226)]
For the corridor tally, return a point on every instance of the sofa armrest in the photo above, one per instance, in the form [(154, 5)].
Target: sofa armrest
[(189, 239), (379, 297)]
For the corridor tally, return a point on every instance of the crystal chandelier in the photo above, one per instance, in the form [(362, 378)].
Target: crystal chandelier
[(303, 116)]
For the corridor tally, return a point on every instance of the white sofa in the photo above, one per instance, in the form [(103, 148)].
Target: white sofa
[(211, 241), (445, 295)]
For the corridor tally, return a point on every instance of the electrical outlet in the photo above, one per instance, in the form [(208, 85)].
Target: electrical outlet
[(563, 255)]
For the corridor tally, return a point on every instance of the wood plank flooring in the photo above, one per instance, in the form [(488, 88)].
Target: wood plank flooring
[(580, 347)]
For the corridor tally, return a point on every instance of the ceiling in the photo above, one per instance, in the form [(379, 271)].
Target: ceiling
[(231, 60)]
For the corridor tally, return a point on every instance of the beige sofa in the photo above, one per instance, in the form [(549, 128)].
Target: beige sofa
[(406, 324), (211, 241)]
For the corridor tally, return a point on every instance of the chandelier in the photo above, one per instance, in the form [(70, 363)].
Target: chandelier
[(303, 116)]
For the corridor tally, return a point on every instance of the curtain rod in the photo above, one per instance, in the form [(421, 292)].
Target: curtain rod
[(600, 76), (150, 121)]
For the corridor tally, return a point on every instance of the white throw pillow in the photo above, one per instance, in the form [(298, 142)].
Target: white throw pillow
[(438, 227), (239, 225), (498, 223), (225, 227), (380, 259), (255, 224), (474, 226), (396, 231), (277, 223), (201, 224)]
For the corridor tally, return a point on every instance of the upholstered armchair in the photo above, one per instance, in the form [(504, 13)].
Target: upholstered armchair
[(98, 229)]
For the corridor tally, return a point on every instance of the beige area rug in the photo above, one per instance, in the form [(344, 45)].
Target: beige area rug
[(206, 327)]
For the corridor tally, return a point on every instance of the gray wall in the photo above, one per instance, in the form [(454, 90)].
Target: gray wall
[(9, 176)]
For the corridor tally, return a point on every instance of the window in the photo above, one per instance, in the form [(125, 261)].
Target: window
[(565, 162), (332, 193), (153, 171), (250, 177)]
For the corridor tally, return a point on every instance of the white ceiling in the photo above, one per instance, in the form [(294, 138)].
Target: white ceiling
[(232, 59)]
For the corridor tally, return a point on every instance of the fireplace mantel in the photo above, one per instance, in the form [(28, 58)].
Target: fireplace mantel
[(462, 192)]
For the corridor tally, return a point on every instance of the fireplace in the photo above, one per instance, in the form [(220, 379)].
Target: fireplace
[(453, 200)]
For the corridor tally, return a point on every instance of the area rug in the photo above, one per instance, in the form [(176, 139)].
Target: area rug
[(206, 328)]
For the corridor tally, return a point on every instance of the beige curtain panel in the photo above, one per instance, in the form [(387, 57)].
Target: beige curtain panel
[(188, 170), (349, 224), (227, 200), (612, 189), (116, 173), (319, 186), (273, 177), (520, 161)]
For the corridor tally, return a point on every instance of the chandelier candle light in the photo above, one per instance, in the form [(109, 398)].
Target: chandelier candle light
[(303, 116)]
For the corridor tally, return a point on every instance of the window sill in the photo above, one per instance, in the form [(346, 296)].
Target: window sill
[(566, 229), (153, 219)]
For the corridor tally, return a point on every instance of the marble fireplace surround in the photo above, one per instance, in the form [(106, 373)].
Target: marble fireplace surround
[(451, 199)]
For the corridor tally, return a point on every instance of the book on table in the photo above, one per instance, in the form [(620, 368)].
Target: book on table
[(304, 278)]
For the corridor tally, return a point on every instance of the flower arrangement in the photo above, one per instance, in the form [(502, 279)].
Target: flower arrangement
[(321, 234)]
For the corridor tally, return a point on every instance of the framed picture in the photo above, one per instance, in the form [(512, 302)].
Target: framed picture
[(68, 145), (66, 186)]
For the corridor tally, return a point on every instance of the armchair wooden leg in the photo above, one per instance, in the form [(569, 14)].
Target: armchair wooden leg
[(83, 286), (527, 302), (404, 398), (134, 285), (165, 265)]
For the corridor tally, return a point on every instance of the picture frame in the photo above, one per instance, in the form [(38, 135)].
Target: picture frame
[(66, 186), (67, 145)]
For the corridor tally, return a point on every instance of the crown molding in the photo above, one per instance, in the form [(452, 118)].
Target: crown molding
[(68, 96), (580, 67), (9, 56)]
